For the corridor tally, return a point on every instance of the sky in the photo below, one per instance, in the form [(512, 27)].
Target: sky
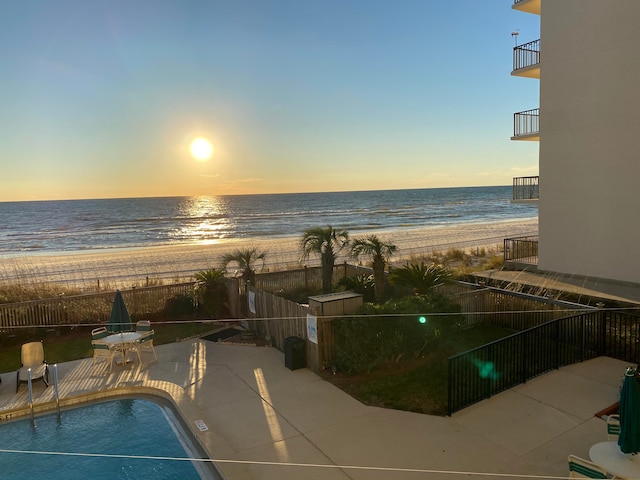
[(102, 99)]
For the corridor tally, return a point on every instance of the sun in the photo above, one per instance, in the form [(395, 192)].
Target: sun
[(201, 148)]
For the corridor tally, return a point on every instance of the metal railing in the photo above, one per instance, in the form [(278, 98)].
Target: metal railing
[(526, 123), (482, 372), (521, 249), (526, 55), (526, 188)]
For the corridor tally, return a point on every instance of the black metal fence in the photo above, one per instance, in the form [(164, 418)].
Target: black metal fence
[(526, 123), (526, 55), (526, 188), (482, 372), (521, 250)]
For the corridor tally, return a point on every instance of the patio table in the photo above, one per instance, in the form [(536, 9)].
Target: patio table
[(123, 341), (610, 457)]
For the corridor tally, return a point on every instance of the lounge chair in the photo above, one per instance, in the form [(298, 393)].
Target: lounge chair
[(581, 468), (32, 357), (145, 343), (613, 427), (102, 349)]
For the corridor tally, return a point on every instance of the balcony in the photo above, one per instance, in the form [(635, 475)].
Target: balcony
[(526, 60), (526, 125), (521, 253), (526, 189), (529, 6)]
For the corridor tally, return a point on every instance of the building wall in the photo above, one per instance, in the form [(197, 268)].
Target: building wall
[(589, 207)]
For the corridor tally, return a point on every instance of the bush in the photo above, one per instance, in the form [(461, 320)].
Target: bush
[(180, 306), (299, 295), (387, 333), (363, 284), (211, 292)]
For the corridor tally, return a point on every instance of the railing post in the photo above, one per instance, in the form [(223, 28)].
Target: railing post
[(55, 384), (449, 387), (557, 325), (30, 390), (602, 319), (523, 372)]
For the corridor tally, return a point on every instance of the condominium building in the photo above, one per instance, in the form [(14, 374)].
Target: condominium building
[(588, 128)]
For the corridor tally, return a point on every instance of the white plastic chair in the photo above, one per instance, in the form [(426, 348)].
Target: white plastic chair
[(613, 427), (145, 343), (101, 349), (32, 357), (581, 468)]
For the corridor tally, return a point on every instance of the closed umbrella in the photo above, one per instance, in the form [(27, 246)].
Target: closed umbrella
[(629, 439), (119, 321)]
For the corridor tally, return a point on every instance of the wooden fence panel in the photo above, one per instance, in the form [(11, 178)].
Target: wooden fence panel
[(88, 308), (308, 278), (278, 318)]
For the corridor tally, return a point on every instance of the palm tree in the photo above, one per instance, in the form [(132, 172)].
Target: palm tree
[(211, 291), (326, 242), (245, 258), (380, 252), (421, 278)]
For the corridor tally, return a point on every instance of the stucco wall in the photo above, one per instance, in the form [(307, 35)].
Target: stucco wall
[(589, 208)]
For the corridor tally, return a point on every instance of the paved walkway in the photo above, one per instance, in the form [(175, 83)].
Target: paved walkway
[(257, 410)]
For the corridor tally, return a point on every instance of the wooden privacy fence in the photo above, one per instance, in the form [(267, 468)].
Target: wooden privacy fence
[(277, 318), (88, 308), (514, 310), (305, 278)]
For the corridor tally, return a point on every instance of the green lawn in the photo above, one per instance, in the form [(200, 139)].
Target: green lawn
[(419, 384)]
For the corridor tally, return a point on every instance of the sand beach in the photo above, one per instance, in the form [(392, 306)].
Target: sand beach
[(122, 268)]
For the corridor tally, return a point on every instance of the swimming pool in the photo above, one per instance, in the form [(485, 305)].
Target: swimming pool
[(123, 427)]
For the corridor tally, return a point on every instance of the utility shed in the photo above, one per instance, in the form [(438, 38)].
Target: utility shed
[(332, 304)]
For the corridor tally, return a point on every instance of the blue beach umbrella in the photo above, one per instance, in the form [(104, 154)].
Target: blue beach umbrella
[(629, 439), (119, 321)]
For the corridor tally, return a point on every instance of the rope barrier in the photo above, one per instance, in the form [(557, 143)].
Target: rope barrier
[(286, 464)]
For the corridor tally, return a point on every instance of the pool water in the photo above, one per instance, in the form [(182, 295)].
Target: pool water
[(130, 426)]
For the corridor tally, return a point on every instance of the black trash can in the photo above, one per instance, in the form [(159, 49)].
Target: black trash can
[(295, 353)]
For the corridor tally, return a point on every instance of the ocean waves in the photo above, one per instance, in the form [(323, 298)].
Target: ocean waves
[(81, 225)]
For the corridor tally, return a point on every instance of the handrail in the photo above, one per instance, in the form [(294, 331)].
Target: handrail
[(521, 249), (526, 188), (55, 386), (526, 122), (30, 388), (526, 55)]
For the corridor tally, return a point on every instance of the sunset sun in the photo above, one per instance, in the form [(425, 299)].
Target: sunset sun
[(201, 149)]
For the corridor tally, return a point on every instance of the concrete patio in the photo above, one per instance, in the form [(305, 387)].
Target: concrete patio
[(256, 410)]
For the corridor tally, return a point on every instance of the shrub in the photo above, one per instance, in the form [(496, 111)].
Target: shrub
[(363, 284), (387, 333), (211, 292), (298, 295), (180, 306)]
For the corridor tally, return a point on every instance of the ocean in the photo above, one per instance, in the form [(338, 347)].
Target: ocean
[(65, 226)]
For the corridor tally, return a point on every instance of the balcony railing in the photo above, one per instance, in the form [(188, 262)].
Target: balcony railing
[(526, 123), (526, 55), (526, 188), (521, 250)]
